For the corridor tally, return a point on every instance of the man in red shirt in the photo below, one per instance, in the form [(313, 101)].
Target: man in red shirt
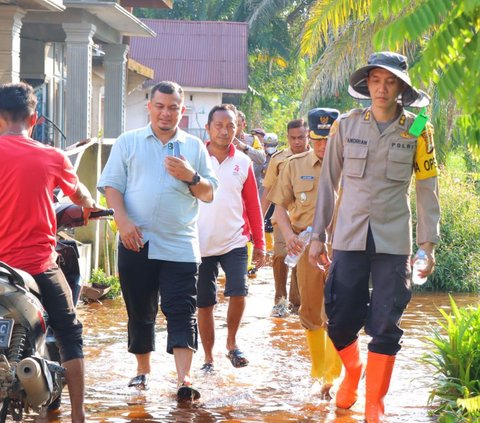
[(29, 172)]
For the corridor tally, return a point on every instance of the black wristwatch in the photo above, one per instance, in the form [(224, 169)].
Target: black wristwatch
[(195, 180)]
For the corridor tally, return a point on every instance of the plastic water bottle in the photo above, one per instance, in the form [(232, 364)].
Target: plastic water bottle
[(420, 263), (304, 237)]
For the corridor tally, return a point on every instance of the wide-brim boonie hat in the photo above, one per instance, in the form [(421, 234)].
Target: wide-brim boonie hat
[(394, 63)]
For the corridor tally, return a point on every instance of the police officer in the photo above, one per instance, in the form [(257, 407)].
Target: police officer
[(373, 152), (296, 192), (297, 143)]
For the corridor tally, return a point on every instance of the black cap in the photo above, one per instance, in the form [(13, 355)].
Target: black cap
[(320, 121)]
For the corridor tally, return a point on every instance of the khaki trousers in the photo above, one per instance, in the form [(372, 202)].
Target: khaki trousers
[(311, 281), (280, 271)]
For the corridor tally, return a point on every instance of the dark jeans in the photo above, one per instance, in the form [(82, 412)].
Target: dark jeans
[(57, 300), (349, 305), (144, 281)]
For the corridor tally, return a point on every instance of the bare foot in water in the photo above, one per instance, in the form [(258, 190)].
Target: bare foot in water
[(325, 391)]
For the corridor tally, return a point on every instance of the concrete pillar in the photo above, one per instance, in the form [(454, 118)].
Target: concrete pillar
[(78, 97), (10, 27), (115, 65)]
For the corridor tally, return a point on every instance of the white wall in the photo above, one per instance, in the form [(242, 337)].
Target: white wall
[(198, 105), (136, 114)]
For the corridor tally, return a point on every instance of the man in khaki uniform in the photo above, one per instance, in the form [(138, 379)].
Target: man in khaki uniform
[(297, 143), (295, 195), (374, 152)]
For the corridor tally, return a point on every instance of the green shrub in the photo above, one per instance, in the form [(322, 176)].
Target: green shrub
[(99, 277), (458, 254), (456, 358)]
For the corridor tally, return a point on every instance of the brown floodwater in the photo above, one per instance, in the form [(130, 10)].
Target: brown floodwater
[(275, 387)]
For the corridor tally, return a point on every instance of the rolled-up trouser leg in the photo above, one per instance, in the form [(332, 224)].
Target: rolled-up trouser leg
[(57, 300), (139, 283), (178, 301)]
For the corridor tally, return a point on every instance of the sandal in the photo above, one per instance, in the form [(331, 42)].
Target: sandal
[(237, 358), (207, 368), (139, 382), (186, 392)]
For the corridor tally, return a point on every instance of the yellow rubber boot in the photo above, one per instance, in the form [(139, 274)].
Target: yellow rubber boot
[(326, 363), (316, 347), (251, 270), (347, 392), (269, 242), (333, 364), (379, 373)]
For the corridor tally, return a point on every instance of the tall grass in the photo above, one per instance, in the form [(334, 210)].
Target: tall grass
[(458, 253), (456, 359)]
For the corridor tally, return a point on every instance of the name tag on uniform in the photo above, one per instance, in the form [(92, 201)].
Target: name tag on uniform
[(307, 177)]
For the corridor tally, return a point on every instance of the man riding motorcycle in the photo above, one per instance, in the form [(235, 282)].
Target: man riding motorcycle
[(30, 171)]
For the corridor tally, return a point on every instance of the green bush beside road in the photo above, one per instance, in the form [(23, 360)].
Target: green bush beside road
[(458, 253)]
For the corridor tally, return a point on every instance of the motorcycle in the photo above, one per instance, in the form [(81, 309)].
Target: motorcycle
[(31, 376)]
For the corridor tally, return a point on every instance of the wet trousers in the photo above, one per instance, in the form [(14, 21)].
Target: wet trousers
[(311, 282), (350, 306), (144, 282), (280, 271)]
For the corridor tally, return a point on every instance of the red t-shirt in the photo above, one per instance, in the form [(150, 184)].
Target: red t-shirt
[(29, 172)]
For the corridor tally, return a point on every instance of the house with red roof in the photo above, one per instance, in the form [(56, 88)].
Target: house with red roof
[(208, 59)]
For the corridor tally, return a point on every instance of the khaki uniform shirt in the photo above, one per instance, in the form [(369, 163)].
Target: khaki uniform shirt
[(376, 171), (275, 166), (296, 188)]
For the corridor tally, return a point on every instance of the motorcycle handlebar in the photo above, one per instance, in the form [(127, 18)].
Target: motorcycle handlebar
[(102, 213)]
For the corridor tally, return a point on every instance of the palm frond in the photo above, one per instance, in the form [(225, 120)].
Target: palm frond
[(414, 24), (264, 10), (469, 404), (390, 8), (327, 18)]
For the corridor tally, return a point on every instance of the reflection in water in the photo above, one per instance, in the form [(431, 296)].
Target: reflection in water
[(275, 387)]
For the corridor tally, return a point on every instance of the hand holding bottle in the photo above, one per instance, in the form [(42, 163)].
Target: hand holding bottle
[(297, 247), (423, 264), (420, 262)]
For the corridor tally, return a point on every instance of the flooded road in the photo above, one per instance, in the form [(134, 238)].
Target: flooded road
[(275, 387)]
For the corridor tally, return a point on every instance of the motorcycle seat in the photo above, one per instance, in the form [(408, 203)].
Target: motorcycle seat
[(21, 278)]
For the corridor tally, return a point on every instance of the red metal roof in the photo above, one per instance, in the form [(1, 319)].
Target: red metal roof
[(195, 53)]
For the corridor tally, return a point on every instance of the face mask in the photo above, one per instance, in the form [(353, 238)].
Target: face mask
[(270, 150)]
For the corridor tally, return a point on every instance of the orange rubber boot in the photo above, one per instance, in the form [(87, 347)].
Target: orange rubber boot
[(347, 392), (379, 373)]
